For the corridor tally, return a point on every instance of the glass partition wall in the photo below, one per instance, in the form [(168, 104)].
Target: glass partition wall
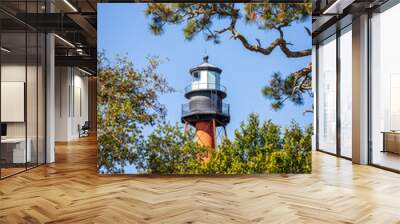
[(385, 89), (22, 107), (13, 86), (334, 94)]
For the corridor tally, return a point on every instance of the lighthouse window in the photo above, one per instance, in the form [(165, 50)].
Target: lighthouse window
[(196, 76)]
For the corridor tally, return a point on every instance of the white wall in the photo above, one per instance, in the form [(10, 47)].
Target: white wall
[(62, 82), (80, 104), (71, 102)]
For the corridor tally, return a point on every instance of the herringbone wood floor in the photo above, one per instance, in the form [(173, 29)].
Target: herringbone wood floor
[(70, 191)]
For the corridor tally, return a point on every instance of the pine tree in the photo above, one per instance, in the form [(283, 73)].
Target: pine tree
[(201, 18)]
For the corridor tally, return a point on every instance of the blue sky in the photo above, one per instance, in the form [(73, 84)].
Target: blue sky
[(123, 29)]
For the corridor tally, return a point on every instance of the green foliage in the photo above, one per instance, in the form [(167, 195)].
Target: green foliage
[(199, 17), (261, 148), (295, 156), (190, 29), (268, 16), (281, 89), (127, 100), (256, 148), (168, 150)]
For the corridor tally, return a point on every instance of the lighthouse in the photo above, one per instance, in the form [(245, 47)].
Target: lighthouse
[(205, 109)]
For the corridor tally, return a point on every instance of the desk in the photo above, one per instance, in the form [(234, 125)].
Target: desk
[(13, 150), (391, 141)]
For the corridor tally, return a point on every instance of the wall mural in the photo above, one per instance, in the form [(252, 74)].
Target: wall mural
[(204, 88)]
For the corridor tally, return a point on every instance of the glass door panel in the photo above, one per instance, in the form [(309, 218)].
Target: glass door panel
[(14, 153), (327, 96)]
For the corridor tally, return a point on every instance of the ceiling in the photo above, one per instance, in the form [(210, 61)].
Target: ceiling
[(73, 21), (331, 15)]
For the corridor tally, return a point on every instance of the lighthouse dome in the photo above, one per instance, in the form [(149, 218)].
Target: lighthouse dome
[(205, 66)]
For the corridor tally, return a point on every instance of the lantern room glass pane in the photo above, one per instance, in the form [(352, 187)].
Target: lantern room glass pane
[(211, 80)]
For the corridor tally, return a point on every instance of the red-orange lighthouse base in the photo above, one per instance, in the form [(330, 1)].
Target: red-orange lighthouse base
[(205, 133)]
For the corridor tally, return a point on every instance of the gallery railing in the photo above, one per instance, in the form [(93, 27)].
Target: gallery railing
[(202, 86), (213, 108)]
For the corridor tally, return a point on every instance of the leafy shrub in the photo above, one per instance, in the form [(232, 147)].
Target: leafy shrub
[(127, 101), (255, 149)]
